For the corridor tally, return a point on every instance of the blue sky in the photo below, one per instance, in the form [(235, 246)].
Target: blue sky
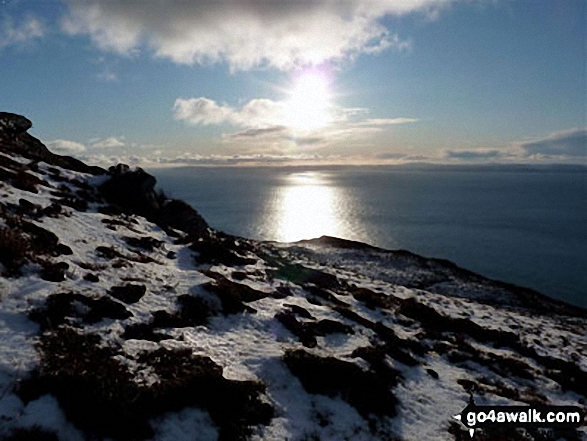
[(368, 81)]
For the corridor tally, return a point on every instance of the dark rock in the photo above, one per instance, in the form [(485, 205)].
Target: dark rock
[(373, 299), (181, 216), (299, 329), (232, 295), (299, 311), (281, 292), (327, 326), (192, 311), (238, 275), (44, 241), (105, 307), (300, 274), (108, 252), (394, 346), (432, 373), (13, 125), (61, 308), (324, 294), (54, 272), (64, 250), (15, 249), (27, 182), (171, 255), (13, 138), (468, 385), (91, 277), (219, 251), (109, 210), (53, 210), (376, 357), (436, 322), (146, 242), (365, 391), (128, 293), (29, 208), (133, 191), (187, 380), (74, 202), (143, 331)]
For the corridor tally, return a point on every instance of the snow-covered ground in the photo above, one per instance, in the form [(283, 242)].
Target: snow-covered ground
[(320, 339)]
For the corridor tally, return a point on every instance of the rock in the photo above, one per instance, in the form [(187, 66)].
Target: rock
[(62, 308), (299, 329), (133, 191), (54, 272), (91, 278), (128, 293), (215, 251), (143, 331), (232, 295), (365, 391), (192, 311), (181, 216), (13, 138), (327, 326), (300, 274), (146, 242), (238, 275), (29, 208), (13, 125)]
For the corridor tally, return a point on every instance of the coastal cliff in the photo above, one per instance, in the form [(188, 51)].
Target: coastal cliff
[(124, 315)]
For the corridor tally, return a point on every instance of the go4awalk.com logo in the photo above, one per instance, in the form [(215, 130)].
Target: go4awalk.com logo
[(477, 417)]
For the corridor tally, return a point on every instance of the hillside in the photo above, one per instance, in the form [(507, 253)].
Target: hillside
[(124, 316)]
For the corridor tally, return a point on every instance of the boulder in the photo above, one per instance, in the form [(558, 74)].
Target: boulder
[(12, 125), (14, 137), (134, 192)]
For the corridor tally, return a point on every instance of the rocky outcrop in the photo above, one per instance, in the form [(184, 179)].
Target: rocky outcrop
[(13, 125), (133, 191), (14, 138)]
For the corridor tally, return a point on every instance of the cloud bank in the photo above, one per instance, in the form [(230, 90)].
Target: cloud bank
[(244, 34), (65, 147), (571, 143)]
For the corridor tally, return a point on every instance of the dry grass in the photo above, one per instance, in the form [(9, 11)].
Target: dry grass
[(14, 249)]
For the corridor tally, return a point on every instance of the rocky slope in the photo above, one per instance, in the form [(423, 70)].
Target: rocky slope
[(124, 316)]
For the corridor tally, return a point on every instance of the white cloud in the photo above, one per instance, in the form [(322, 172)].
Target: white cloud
[(474, 155), (257, 113), (570, 143), (244, 34), (63, 146), (107, 76), (107, 143), (12, 33), (201, 111), (386, 121)]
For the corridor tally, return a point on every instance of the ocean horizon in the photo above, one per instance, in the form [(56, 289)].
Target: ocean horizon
[(524, 225)]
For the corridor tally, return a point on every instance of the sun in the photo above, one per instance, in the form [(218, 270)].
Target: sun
[(308, 106)]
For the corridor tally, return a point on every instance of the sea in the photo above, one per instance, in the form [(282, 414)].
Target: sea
[(525, 225)]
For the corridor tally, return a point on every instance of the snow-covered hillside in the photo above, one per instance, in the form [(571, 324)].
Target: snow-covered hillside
[(124, 322)]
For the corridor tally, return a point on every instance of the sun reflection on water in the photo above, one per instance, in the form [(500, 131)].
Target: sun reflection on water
[(306, 206)]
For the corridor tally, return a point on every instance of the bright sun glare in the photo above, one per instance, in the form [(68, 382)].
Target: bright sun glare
[(308, 107)]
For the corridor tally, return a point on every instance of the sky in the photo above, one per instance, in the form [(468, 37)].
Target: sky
[(160, 82)]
